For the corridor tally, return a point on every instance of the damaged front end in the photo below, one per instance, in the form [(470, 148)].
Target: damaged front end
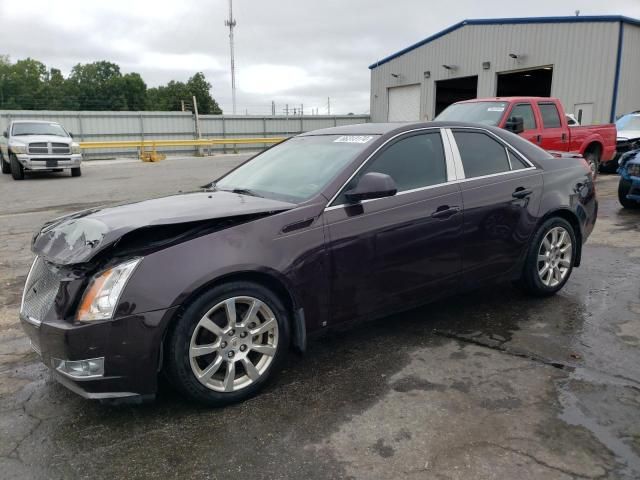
[(629, 186)]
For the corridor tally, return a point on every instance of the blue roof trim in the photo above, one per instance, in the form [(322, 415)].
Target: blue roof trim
[(509, 21)]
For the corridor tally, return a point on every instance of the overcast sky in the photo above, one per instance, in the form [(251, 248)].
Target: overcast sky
[(289, 51)]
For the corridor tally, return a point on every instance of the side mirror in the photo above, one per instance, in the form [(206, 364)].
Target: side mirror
[(5, 134), (515, 124), (372, 185)]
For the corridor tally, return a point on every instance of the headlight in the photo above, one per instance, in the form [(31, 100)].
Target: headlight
[(103, 293), (634, 169), (18, 148), (75, 148)]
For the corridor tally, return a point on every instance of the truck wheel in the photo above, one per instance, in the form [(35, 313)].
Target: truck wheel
[(623, 190), (76, 172), (549, 262), (593, 159), (6, 167), (17, 170), (227, 343)]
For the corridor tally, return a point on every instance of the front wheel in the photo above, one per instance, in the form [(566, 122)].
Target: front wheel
[(76, 172), (228, 343), (17, 170), (6, 167), (593, 159), (623, 190), (550, 259)]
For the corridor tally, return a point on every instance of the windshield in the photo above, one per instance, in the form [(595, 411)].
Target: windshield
[(297, 169), (628, 122), (487, 113), (38, 129)]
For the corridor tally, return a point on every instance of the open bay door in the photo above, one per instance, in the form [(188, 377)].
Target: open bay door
[(404, 103)]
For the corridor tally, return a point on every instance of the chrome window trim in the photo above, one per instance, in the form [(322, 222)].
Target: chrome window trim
[(448, 156), (447, 133), (506, 151), (364, 162)]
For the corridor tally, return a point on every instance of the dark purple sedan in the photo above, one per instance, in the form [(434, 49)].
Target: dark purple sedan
[(213, 288)]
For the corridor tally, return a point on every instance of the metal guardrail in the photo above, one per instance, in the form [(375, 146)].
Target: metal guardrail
[(203, 142), (147, 148)]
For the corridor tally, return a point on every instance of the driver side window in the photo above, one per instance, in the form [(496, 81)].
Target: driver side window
[(413, 162), (525, 111)]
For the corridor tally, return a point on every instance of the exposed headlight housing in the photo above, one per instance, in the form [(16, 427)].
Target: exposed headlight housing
[(18, 148), (101, 298), (75, 148), (633, 169), (80, 369)]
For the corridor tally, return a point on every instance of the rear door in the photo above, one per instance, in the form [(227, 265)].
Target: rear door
[(501, 194), (555, 133), (391, 253)]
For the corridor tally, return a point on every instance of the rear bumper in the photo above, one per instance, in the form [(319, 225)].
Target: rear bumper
[(49, 162), (130, 346)]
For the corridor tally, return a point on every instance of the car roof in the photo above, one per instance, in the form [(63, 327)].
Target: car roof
[(34, 121), (507, 99), (386, 128)]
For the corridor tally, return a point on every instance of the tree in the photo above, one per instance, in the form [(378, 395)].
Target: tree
[(23, 85), (135, 91), (98, 86), (198, 86)]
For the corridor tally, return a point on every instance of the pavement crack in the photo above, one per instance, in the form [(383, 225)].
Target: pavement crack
[(501, 347)]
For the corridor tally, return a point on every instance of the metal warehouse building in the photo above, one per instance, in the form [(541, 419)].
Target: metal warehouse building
[(591, 63)]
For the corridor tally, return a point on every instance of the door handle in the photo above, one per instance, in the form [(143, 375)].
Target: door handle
[(445, 211), (538, 138), (564, 137), (521, 192)]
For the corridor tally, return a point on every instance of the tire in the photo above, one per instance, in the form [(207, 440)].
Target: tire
[(76, 172), (205, 323), (593, 159), (534, 280), (17, 170), (6, 167), (623, 190)]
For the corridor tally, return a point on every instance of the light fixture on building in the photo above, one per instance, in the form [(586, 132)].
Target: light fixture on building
[(513, 55), (450, 67), (486, 65), (395, 75), (427, 74)]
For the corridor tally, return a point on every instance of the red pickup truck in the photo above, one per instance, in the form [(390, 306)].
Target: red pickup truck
[(542, 121)]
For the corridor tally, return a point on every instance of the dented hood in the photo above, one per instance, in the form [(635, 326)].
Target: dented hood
[(79, 237)]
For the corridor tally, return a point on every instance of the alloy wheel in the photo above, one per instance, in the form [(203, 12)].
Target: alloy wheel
[(233, 344), (554, 256)]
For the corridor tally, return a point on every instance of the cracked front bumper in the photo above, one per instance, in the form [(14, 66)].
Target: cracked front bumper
[(49, 162), (130, 346)]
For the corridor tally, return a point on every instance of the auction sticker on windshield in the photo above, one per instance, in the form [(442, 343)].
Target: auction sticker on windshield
[(353, 139), (495, 109)]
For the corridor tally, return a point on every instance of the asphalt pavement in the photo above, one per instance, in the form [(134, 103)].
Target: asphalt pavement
[(486, 385)]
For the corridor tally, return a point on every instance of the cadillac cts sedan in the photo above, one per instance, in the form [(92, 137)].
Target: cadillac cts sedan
[(212, 288)]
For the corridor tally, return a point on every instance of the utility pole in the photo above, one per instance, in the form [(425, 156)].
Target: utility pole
[(273, 108), (197, 119), (301, 110), (328, 105), (182, 103), (231, 23)]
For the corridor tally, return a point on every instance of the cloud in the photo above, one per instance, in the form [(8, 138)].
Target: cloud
[(288, 51)]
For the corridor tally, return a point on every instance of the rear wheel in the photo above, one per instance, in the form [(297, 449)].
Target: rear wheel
[(17, 170), (549, 262), (623, 190), (228, 343), (593, 159), (76, 172)]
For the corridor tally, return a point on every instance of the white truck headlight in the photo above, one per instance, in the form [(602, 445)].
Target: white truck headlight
[(18, 148), (75, 148), (103, 293)]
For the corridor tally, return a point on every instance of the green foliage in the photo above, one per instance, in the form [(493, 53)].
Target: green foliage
[(28, 85)]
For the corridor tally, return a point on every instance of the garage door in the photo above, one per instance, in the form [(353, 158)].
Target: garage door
[(404, 104)]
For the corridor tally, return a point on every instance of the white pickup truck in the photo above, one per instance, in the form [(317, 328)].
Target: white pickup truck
[(30, 145)]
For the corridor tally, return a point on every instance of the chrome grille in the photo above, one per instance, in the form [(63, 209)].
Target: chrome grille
[(40, 290), (60, 149), (39, 148)]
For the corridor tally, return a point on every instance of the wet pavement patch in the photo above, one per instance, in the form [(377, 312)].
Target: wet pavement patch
[(492, 384)]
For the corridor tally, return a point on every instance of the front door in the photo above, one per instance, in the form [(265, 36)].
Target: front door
[(500, 193), (399, 251)]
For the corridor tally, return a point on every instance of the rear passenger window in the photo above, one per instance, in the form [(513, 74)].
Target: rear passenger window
[(550, 115), (413, 162), (516, 162), (481, 154), (525, 111)]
